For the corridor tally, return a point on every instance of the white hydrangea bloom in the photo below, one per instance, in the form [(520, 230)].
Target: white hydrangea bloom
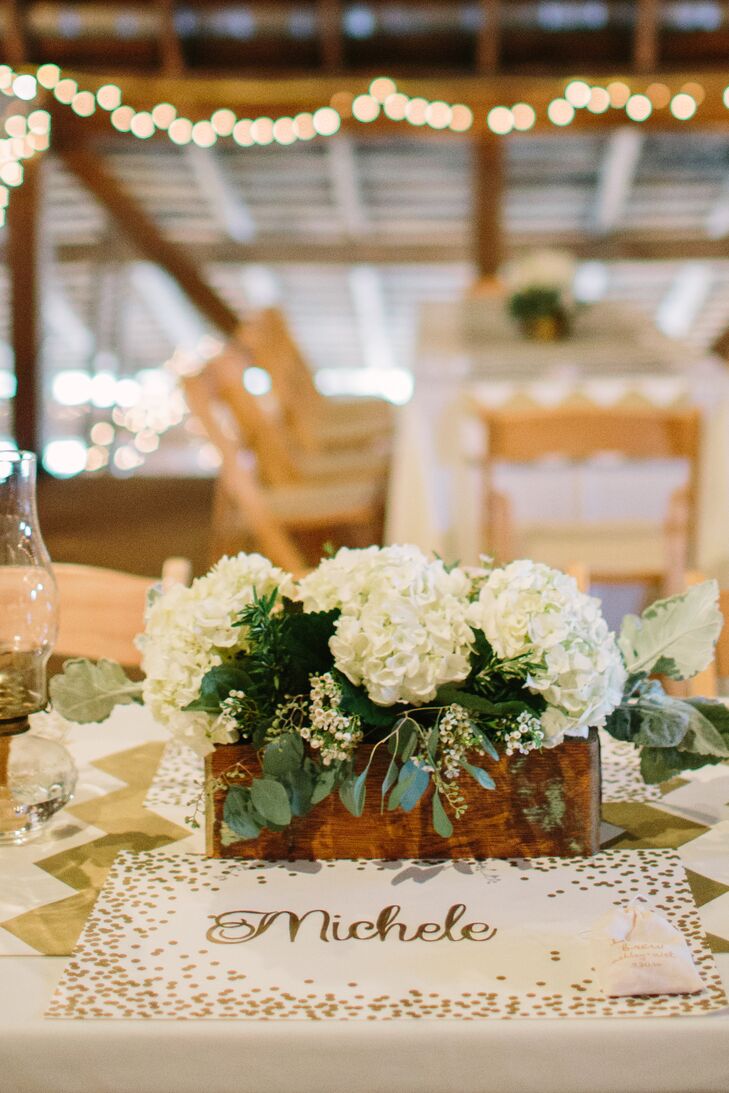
[(529, 610), (402, 631), (190, 630)]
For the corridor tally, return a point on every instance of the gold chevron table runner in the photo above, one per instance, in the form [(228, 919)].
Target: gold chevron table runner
[(136, 788)]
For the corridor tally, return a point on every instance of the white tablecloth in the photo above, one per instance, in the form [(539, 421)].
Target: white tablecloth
[(435, 497), (645, 1055)]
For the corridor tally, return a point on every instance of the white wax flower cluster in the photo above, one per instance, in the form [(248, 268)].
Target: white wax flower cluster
[(529, 610), (190, 630), (402, 631), (544, 269)]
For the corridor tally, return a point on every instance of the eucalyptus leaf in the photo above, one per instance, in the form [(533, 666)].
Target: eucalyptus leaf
[(416, 782), (271, 800), (441, 822), (481, 776), (406, 779), (324, 785), (86, 691), (282, 755), (487, 744), (299, 785), (390, 778), (352, 793), (675, 636), (237, 813)]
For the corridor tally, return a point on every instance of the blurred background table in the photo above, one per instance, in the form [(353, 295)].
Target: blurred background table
[(470, 354)]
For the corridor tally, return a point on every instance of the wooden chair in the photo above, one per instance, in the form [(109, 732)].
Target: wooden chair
[(102, 610), (281, 459), (280, 519), (615, 550), (318, 423)]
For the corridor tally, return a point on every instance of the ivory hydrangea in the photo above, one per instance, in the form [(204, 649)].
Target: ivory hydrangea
[(402, 631), (528, 610), (190, 630)]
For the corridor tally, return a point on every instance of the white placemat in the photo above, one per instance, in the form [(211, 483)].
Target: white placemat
[(184, 937)]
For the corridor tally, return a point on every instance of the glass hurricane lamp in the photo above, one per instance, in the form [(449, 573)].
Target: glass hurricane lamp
[(37, 776)]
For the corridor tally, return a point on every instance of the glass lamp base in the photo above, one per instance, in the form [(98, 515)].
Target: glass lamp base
[(37, 778)]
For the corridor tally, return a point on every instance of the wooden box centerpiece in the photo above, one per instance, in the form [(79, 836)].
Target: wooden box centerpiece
[(546, 803), (387, 705)]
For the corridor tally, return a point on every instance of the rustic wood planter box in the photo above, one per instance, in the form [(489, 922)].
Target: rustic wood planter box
[(545, 803)]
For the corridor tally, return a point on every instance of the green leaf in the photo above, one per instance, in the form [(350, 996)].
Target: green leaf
[(660, 722), (216, 685), (482, 777), (407, 738), (271, 800), (352, 793), (237, 813), (412, 784), (709, 729), (356, 701), (389, 779), (282, 755), (487, 744), (86, 692), (406, 779), (441, 822), (450, 694), (324, 785), (300, 787), (305, 639), (660, 764), (676, 636)]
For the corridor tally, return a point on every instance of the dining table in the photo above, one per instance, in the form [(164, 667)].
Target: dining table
[(469, 357), (136, 793)]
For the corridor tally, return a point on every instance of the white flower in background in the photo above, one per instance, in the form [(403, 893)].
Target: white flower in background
[(402, 631), (541, 269), (190, 630), (531, 611)]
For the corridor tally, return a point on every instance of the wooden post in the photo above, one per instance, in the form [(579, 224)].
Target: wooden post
[(488, 185), (329, 15), (25, 320), (488, 46), (170, 49), (14, 40), (645, 36)]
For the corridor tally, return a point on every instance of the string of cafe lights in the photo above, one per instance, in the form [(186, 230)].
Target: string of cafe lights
[(28, 132), (383, 98)]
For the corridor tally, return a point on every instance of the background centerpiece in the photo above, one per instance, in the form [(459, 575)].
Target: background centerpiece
[(540, 294), (398, 689)]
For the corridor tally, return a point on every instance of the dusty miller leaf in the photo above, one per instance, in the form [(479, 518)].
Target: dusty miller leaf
[(676, 636), (86, 691)]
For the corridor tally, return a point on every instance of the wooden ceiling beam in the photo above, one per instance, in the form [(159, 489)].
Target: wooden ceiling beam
[(133, 221), (281, 250)]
